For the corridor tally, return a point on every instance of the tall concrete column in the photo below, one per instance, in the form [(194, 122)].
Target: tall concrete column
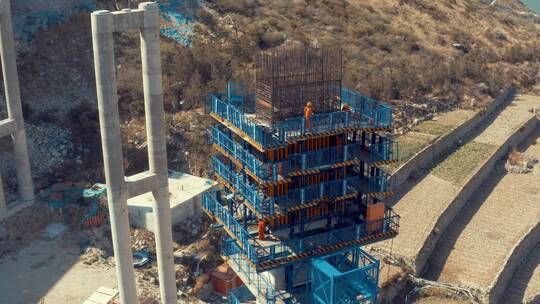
[(14, 106), (145, 19), (102, 37), (157, 149), (3, 206)]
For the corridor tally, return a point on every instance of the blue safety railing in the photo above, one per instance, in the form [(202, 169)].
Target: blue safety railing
[(377, 113), (389, 223), (225, 110), (236, 150), (233, 106), (379, 183), (256, 253), (212, 206), (239, 295), (266, 205), (329, 189), (249, 192), (388, 150), (248, 273), (345, 277)]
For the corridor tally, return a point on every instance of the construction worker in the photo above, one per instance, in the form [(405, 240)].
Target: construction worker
[(345, 108), (262, 230), (308, 111)]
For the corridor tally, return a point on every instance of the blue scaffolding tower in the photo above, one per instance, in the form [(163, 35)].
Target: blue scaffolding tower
[(301, 197)]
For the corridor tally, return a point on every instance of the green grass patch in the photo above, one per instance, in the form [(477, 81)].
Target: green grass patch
[(409, 144), (457, 166), (433, 128)]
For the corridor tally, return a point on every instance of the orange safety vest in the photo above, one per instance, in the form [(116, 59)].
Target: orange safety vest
[(262, 230), (308, 111)]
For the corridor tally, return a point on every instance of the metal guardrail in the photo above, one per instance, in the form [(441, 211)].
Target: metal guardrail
[(234, 149), (390, 223), (377, 113), (233, 106), (256, 253), (345, 277), (265, 290), (212, 206), (264, 207), (239, 294), (386, 151)]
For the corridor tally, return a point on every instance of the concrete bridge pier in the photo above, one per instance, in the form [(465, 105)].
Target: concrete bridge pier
[(120, 188), (157, 149), (13, 125)]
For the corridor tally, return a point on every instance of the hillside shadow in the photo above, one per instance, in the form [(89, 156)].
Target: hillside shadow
[(432, 271), (525, 271), (29, 274)]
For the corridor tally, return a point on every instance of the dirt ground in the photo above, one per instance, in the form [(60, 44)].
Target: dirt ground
[(53, 271), (71, 266)]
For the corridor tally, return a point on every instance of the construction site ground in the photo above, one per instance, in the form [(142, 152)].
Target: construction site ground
[(52, 270), (426, 197), (473, 249), (71, 266)]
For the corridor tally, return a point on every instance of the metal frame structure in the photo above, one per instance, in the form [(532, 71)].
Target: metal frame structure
[(315, 187), (145, 19), (290, 75), (13, 125), (350, 276)]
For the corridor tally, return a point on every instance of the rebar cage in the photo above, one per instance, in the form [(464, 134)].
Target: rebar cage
[(289, 76)]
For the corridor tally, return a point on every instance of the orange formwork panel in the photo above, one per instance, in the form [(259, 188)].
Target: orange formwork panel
[(375, 216)]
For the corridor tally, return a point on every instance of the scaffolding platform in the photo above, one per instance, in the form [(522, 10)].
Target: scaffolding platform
[(300, 194)]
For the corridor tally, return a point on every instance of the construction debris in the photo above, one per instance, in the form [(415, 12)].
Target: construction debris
[(519, 163), (102, 295), (53, 230), (61, 194)]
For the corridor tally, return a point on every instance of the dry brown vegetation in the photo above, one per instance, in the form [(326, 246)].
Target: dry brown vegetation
[(401, 51), (438, 54), (395, 50)]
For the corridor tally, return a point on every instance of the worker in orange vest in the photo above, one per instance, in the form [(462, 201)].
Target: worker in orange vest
[(308, 111), (345, 108), (262, 230)]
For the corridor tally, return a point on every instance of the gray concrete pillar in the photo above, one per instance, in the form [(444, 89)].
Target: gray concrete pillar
[(102, 37), (157, 149), (14, 106), (3, 206)]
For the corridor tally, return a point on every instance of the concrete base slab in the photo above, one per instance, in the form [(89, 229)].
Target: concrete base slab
[(186, 200)]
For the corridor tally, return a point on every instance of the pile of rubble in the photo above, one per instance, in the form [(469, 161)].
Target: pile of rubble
[(196, 255), (519, 163)]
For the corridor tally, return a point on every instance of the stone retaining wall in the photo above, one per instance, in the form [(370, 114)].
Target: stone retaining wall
[(429, 155), (518, 254), (471, 185)]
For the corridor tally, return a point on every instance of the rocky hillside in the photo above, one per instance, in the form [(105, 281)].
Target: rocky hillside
[(423, 56)]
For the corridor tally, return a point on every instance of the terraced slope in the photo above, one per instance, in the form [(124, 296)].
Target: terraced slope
[(525, 284), (475, 247), (422, 207)]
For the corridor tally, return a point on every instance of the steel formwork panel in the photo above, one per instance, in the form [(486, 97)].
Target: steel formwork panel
[(309, 182)]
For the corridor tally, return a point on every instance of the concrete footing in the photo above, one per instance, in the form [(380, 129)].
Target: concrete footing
[(145, 19), (186, 201)]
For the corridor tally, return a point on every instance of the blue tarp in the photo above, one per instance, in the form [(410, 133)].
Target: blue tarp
[(27, 25), (177, 16)]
